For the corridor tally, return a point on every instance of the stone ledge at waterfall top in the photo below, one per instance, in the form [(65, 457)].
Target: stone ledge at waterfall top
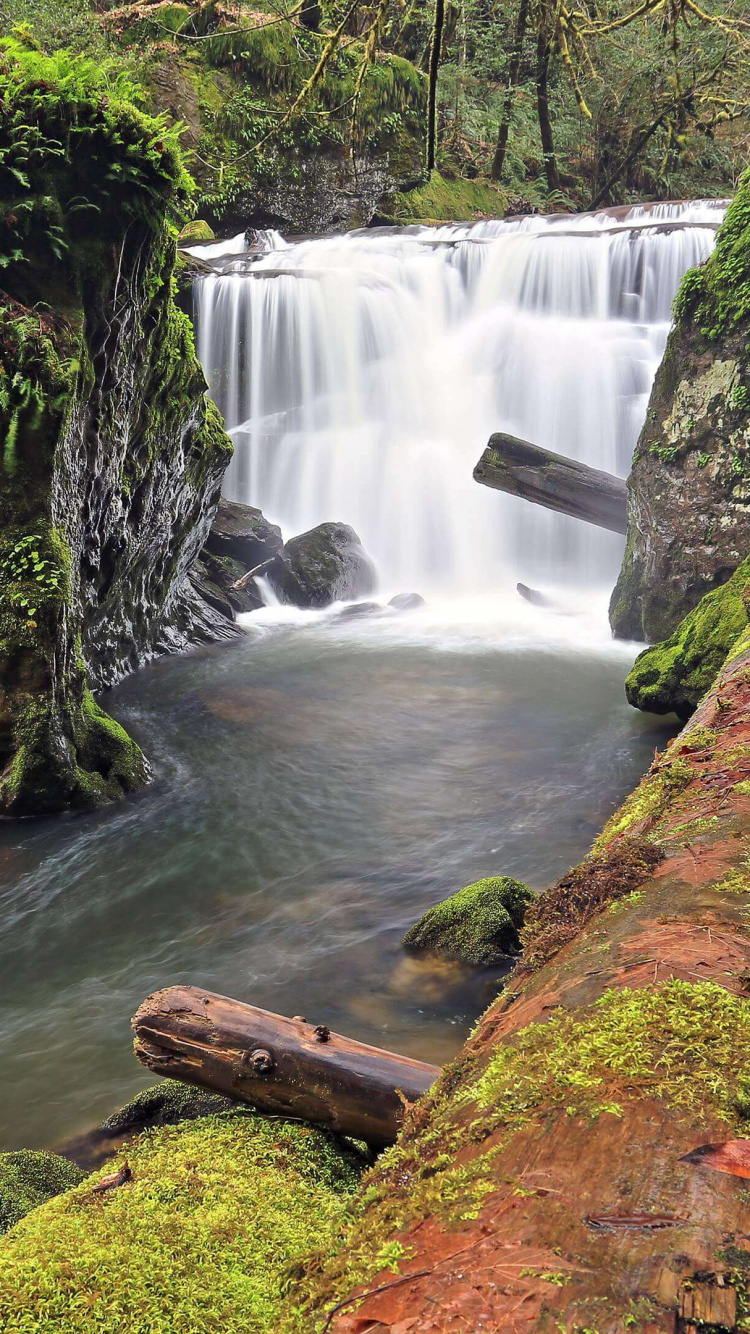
[(327, 564)]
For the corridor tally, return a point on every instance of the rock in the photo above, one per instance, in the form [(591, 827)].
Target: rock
[(194, 232), (407, 601), (215, 576), (672, 677), (689, 487), (480, 924), (357, 610), (28, 1177), (327, 564), (533, 596), (242, 533)]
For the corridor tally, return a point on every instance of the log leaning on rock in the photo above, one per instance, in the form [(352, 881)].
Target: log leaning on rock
[(561, 484), (287, 1067)]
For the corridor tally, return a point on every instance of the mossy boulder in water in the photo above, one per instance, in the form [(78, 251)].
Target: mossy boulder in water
[(216, 1218), (327, 564), (193, 233), (242, 533), (673, 676), (480, 924), (28, 1178)]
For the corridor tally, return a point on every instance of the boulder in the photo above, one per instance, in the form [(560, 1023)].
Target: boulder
[(327, 564), (688, 490), (195, 232), (672, 677), (358, 610), (480, 924), (407, 601), (243, 534), (28, 1177)]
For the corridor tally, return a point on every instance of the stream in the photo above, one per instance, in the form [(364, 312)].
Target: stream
[(321, 782)]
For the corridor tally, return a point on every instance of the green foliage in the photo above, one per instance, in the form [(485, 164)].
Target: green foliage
[(480, 924), (207, 1237), (75, 150), (25, 564), (29, 1177), (717, 296), (673, 676)]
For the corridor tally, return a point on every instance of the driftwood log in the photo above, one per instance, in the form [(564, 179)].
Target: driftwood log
[(282, 1066), (521, 469)]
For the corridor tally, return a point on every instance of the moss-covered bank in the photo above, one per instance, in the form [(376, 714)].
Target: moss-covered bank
[(29, 1177), (111, 455), (210, 1234), (674, 676)]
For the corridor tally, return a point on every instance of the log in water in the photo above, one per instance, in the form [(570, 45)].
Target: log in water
[(284, 1066), (564, 485)]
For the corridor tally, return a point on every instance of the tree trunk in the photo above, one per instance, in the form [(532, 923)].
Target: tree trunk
[(558, 1176), (514, 71), (435, 47), (543, 478), (543, 51), (282, 1066)]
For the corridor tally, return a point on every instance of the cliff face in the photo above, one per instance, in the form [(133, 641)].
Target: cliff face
[(112, 456), (689, 488)]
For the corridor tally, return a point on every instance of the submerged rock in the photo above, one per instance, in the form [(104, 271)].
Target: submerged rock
[(28, 1177), (407, 601), (358, 610), (480, 924), (327, 564), (673, 676)]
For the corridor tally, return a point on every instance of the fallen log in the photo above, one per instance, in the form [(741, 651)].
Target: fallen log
[(564, 485), (283, 1066)]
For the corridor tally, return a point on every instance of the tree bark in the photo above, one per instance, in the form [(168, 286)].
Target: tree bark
[(564, 485), (543, 51), (514, 71), (282, 1066), (434, 67)]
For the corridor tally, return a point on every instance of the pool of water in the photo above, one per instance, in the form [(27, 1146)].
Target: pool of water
[(318, 784)]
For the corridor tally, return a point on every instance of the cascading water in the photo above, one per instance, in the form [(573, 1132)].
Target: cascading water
[(360, 377)]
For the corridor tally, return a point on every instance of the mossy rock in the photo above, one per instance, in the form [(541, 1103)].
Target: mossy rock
[(219, 1214), (166, 1104), (195, 232), (672, 677), (479, 925), (30, 1177)]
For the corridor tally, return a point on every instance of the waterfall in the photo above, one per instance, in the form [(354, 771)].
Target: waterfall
[(361, 375)]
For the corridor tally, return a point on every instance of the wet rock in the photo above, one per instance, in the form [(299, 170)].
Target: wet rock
[(407, 601), (689, 489), (533, 596), (242, 533), (358, 610), (327, 564), (28, 1177), (480, 924), (193, 233)]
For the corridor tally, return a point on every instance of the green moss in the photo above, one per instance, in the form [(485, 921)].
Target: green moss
[(685, 1044), (443, 200), (717, 295), (480, 924), (29, 1177), (207, 1237), (672, 677), (166, 1104), (195, 231)]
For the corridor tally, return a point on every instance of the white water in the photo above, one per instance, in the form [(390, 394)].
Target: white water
[(361, 376)]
